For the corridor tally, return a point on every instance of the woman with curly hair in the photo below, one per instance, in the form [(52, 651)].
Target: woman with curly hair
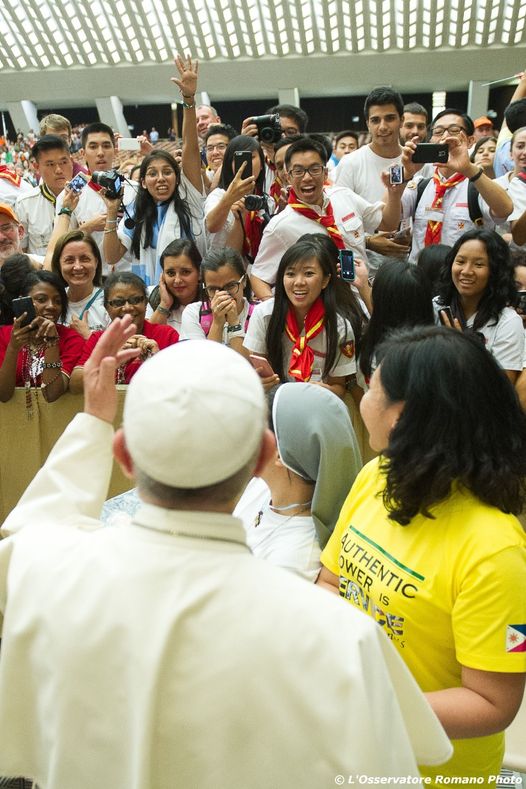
[(478, 283), (427, 541)]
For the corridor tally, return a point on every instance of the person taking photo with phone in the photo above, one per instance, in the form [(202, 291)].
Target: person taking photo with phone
[(228, 220), (39, 352), (459, 196)]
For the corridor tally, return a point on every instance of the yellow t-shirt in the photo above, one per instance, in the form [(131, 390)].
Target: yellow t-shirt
[(448, 592)]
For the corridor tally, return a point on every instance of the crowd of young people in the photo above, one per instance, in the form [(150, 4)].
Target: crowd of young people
[(252, 253)]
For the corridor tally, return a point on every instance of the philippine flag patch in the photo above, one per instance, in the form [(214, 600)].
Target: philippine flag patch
[(516, 638)]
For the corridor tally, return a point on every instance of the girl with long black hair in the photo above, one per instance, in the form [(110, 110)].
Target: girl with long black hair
[(169, 201), (309, 330)]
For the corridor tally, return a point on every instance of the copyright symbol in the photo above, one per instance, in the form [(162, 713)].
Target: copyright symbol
[(340, 780)]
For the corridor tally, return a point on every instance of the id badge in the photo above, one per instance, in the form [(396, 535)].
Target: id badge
[(434, 214)]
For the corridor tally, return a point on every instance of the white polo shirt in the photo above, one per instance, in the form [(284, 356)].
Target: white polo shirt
[(36, 215), (353, 215)]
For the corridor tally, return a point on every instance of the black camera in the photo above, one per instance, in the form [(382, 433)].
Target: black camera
[(111, 180), (269, 127), (255, 203)]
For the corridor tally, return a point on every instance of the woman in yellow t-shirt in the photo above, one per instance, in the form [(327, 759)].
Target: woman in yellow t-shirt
[(427, 542)]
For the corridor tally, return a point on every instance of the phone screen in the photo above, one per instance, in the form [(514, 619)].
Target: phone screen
[(347, 265), (77, 183)]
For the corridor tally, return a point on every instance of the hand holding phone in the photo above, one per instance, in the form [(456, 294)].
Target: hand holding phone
[(429, 152), (446, 317), (396, 174), (261, 365), (239, 158), (347, 265), (21, 305), (77, 183)]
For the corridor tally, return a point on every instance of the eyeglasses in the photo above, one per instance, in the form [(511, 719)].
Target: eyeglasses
[(132, 300), (221, 146), (455, 130), (231, 288), (299, 172)]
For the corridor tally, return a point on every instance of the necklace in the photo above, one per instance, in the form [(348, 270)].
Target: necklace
[(32, 364), (302, 504), (303, 507)]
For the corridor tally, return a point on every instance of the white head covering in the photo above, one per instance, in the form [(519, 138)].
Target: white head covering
[(316, 440), (194, 414)]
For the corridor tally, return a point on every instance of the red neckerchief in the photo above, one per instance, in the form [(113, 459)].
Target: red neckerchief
[(253, 232), (302, 356), (521, 176), (434, 229), (327, 220), (275, 189), (9, 175)]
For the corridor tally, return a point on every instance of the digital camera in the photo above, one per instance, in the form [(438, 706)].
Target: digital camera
[(255, 203), (269, 127), (111, 180)]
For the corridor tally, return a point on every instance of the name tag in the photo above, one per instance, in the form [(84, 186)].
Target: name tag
[(348, 216), (434, 214), (461, 205)]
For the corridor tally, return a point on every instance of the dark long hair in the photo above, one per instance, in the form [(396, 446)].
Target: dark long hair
[(336, 299), (50, 278), (181, 246), (13, 273), (241, 143), (67, 238), (461, 423), (501, 290), (145, 213), (401, 297)]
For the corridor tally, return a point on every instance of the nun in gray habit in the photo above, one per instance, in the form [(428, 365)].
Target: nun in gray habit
[(291, 509)]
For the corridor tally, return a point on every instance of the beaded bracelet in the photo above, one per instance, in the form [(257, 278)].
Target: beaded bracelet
[(51, 365), (45, 385)]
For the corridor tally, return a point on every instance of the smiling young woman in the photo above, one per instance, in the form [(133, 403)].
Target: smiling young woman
[(44, 352), (77, 262), (478, 283)]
